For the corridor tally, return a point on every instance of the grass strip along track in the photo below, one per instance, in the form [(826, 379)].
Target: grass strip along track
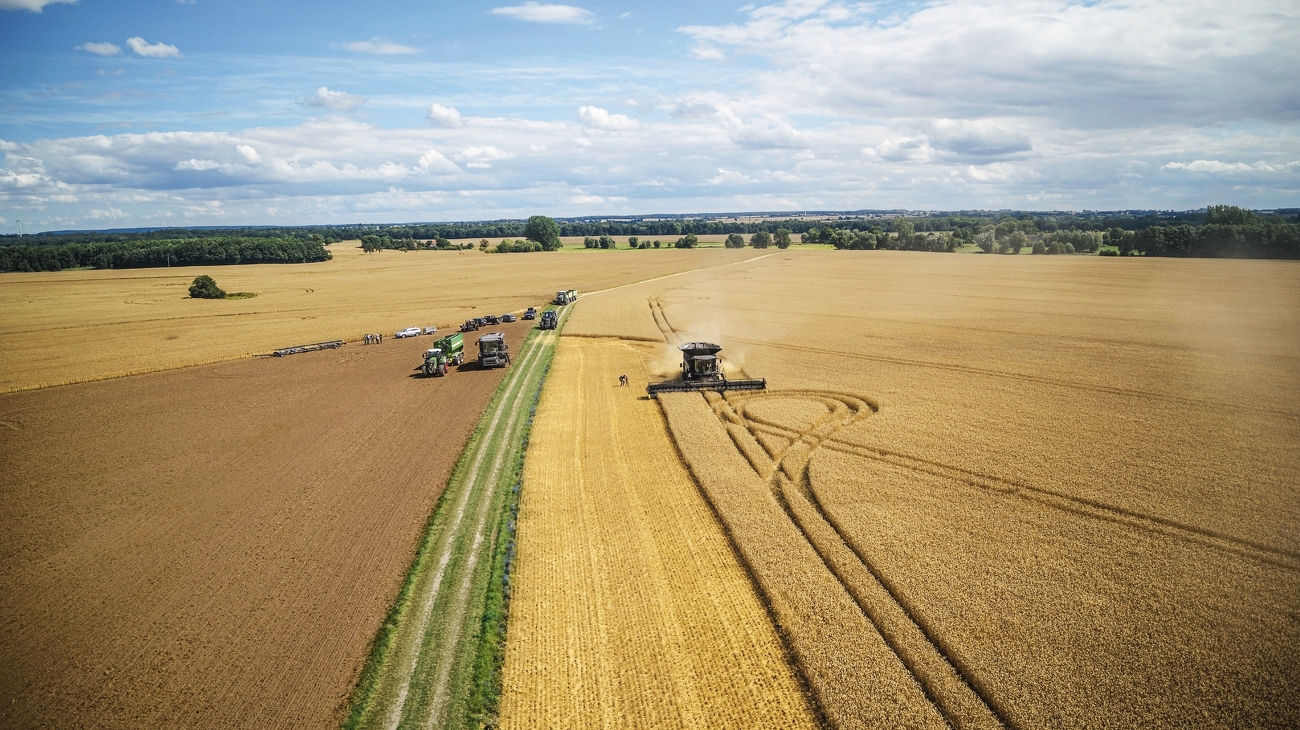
[(436, 660)]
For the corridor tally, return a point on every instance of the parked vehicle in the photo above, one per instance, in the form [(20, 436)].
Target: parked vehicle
[(469, 326), (491, 319), (531, 313), (430, 330), (508, 317), (408, 332)]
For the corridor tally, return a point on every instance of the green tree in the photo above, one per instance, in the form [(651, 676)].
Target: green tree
[(809, 237), (656, 244), (482, 245), (782, 238), (687, 241), (734, 240), (1229, 215), (545, 231), (205, 287), (607, 241), (1017, 240), (762, 239), (633, 241)]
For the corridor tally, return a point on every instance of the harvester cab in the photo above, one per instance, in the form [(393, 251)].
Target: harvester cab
[(702, 370), (700, 361), (492, 350)]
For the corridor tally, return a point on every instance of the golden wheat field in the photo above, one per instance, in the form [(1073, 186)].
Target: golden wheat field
[(74, 326), (630, 609), (984, 491)]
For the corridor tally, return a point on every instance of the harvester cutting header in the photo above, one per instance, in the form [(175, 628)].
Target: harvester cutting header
[(702, 370)]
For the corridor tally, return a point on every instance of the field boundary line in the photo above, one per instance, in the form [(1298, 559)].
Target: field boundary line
[(681, 273), (452, 532)]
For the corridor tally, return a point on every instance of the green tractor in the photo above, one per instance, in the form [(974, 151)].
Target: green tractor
[(449, 350)]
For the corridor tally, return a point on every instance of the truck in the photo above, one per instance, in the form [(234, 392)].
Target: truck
[(492, 350), (549, 320), (567, 296), (448, 350)]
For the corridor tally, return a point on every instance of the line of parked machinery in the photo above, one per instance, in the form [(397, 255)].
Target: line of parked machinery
[(492, 349)]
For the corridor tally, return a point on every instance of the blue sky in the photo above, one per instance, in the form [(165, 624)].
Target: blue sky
[(277, 112)]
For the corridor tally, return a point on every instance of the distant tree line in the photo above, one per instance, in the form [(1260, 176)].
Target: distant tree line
[(163, 252), (1218, 231), (1222, 231)]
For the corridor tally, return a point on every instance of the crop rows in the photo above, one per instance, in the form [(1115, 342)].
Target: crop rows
[(630, 609)]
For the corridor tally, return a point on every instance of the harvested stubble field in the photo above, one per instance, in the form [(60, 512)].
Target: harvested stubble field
[(74, 326), (1061, 492), (629, 608), (217, 546)]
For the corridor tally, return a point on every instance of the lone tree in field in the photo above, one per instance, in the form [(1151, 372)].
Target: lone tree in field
[(735, 240), (782, 238), (544, 231), (762, 239), (205, 287)]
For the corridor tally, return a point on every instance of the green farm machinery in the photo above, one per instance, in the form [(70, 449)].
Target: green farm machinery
[(447, 351)]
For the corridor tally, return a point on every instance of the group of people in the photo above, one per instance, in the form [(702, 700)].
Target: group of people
[(374, 339), (623, 381)]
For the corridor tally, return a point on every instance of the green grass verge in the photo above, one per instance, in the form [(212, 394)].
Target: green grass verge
[(484, 683)]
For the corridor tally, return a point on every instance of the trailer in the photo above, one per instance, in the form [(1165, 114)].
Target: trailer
[(447, 351), (493, 351), (567, 296), (702, 370)]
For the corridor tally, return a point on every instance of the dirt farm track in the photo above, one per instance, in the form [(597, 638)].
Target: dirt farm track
[(216, 546)]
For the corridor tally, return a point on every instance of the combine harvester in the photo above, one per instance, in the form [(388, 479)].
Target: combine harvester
[(701, 370), (449, 350), (492, 350)]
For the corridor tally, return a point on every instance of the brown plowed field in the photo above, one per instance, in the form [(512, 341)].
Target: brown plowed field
[(216, 546)]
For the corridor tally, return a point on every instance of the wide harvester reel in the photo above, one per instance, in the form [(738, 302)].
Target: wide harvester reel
[(702, 370)]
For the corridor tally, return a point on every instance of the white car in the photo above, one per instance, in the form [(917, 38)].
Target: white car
[(408, 332)]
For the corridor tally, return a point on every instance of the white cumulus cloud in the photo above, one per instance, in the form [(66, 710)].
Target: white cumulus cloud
[(482, 157), (248, 153), (152, 50), (597, 118), (433, 161), (543, 13), (444, 116), (32, 5), (330, 99), (100, 49)]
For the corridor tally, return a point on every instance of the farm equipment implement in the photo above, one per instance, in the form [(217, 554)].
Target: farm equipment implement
[(331, 345), (701, 370), (566, 296), (449, 350)]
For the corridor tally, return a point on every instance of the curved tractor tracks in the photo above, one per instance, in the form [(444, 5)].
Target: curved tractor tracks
[(417, 679), (780, 454)]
